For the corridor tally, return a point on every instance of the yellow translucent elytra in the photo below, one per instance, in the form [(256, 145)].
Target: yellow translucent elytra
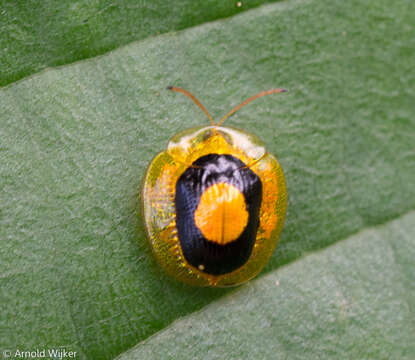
[(158, 194)]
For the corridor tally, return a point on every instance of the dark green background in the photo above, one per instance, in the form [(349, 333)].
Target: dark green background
[(36, 34)]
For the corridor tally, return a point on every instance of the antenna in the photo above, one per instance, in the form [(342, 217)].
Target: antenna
[(247, 101), (234, 110), (197, 102)]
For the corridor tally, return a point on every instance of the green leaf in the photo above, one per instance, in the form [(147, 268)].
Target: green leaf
[(75, 141), (41, 33), (349, 301)]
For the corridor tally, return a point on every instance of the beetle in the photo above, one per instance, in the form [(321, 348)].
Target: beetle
[(214, 203)]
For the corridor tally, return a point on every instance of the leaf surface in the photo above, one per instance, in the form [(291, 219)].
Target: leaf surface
[(349, 301)]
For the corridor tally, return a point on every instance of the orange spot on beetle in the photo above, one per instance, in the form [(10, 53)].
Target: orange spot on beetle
[(221, 214)]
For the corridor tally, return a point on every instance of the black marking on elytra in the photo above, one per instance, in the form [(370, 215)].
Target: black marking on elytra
[(204, 172)]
